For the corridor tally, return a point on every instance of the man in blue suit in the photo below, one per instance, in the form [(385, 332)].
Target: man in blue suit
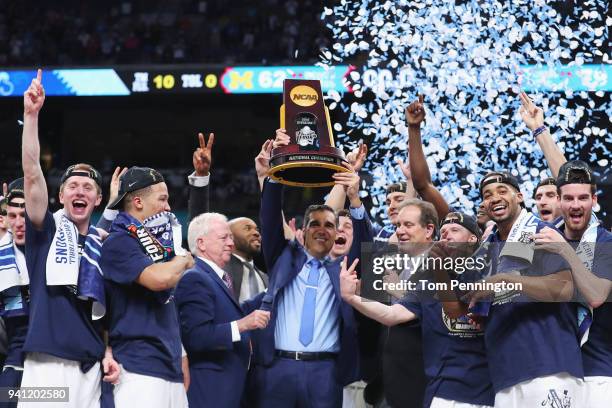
[(214, 326), (308, 352)]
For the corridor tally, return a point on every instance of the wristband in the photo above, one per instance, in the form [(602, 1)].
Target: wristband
[(539, 131)]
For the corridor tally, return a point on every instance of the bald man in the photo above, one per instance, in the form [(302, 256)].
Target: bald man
[(248, 280)]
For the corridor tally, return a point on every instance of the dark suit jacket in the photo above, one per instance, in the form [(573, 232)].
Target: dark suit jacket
[(198, 202), (206, 309), (284, 260), (235, 268)]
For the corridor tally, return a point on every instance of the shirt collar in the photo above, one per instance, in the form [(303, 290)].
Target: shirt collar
[(323, 261), (220, 272), (241, 259)]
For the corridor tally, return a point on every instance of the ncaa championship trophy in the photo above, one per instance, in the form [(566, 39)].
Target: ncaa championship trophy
[(310, 159)]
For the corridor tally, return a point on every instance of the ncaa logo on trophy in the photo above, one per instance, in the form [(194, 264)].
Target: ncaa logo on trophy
[(311, 158)]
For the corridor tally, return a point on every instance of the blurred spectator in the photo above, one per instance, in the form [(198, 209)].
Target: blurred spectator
[(70, 32)]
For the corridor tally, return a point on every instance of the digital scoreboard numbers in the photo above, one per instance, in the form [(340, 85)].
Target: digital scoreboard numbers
[(237, 80), (172, 81)]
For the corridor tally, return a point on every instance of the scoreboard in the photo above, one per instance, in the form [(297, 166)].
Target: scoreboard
[(198, 79), (173, 79)]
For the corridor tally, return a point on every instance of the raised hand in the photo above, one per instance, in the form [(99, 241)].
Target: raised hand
[(202, 156), (350, 182), (532, 115), (404, 167), (348, 280), (34, 96), (262, 160), (114, 184), (357, 156), (415, 112), (281, 138)]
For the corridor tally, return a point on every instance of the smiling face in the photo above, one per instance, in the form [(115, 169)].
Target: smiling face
[(16, 221), (344, 237), (320, 233), (502, 202), (547, 201), (80, 195), (247, 239), (393, 202), (217, 245), (577, 201), (409, 227)]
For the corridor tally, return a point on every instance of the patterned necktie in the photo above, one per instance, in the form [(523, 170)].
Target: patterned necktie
[(228, 282), (310, 301)]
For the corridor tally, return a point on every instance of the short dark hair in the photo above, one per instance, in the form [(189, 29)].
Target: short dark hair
[(548, 181), (396, 188), (317, 207), (343, 212), (429, 214)]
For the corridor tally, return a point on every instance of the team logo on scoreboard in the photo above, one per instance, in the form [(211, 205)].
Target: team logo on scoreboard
[(304, 95), (306, 131)]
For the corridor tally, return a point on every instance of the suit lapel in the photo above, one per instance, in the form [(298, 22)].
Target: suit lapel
[(213, 275)]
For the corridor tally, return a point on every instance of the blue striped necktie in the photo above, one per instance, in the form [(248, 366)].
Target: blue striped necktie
[(310, 301)]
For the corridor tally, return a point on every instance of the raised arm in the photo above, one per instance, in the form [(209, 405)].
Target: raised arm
[(35, 186), (337, 197), (421, 178), (387, 315), (594, 288), (108, 216), (199, 180), (271, 216), (533, 116), (262, 162)]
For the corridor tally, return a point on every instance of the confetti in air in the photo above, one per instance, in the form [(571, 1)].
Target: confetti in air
[(466, 58)]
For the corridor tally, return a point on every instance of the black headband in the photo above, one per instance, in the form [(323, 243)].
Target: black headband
[(92, 174), (16, 205)]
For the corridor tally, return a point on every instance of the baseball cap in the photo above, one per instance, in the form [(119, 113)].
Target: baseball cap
[(499, 177), (575, 172), (467, 221), (135, 178), (15, 190)]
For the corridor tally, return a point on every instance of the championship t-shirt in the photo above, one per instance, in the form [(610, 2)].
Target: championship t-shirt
[(527, 339), (143, 327), (454, 354), (60, 322), (597, 351)]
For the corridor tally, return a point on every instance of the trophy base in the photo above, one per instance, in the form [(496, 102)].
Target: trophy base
[(306, 169)]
